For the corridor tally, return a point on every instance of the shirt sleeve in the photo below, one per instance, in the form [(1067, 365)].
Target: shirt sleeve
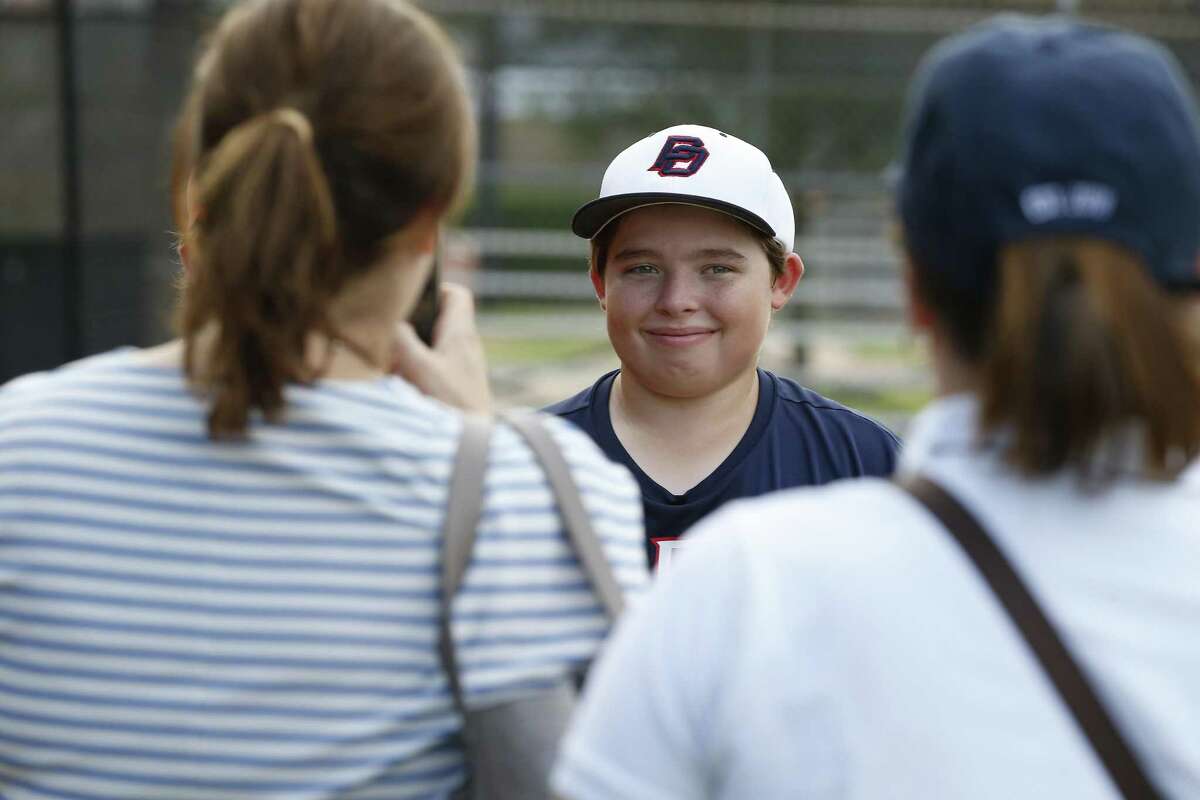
[(889, 451), (645, 728), (875, 447)]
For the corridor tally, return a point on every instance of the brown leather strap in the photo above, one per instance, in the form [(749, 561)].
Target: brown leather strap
[(1070, 681)]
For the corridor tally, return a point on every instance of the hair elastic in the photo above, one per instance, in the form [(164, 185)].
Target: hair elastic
[(295, 120)]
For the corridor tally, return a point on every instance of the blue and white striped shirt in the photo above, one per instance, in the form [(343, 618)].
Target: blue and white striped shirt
[(183, 618)]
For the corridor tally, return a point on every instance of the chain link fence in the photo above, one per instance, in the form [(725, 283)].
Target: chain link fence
[(89, 89)]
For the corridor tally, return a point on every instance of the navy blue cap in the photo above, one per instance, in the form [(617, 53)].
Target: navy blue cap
[(1022, 127)]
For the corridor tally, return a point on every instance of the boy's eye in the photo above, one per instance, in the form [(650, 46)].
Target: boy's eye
[(718, 269), (642, 269)]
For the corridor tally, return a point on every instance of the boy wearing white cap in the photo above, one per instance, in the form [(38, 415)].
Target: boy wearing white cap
[(691, 253)]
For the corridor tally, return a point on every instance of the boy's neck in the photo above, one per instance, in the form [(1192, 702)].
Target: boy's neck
[(680, 441)]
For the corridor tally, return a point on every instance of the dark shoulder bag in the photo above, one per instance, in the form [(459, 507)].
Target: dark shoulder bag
[(510, 747), (1072, 684)]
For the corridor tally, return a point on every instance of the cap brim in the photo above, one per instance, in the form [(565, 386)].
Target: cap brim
[(592, 217)]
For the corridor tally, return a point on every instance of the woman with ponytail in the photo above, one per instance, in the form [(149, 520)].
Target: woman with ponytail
[(873, 639), (220, 557)]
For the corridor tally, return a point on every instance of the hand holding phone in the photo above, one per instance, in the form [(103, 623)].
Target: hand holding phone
[(454, 368)]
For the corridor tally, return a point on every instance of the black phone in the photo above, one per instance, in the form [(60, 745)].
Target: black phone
[(424, 315)]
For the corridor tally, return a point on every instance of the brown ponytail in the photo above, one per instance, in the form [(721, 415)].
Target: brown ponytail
[(267, 231), (318, 130), (1083, 345)]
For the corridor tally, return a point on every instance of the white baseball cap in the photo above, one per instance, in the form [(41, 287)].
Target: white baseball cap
[(693, 165)]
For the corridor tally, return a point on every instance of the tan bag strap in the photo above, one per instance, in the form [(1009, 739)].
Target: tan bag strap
[(580, 532), (463, 511), (464, 504), (1059, 665)]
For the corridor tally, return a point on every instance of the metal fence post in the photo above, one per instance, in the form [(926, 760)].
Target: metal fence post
[(69, 148)]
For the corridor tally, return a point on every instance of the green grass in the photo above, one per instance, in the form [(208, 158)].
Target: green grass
[(535, 306), (882, 401), (504, 350), (895, 350)]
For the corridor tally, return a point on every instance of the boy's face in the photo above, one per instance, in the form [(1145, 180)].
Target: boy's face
[(688, 295)]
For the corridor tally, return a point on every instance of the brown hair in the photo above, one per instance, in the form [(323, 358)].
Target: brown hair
[(321, 128), (601, 243), (1080, 343), (181, 169)]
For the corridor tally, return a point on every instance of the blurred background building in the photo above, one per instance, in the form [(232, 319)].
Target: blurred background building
[(88, 90)]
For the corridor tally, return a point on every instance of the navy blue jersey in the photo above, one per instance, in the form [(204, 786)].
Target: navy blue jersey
[(797, 438)]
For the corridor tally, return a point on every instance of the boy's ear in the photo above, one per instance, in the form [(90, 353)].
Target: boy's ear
[(597, 284), (785, 284)]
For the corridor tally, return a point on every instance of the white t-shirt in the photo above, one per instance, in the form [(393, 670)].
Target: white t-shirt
[(183, 618), (835, 643)]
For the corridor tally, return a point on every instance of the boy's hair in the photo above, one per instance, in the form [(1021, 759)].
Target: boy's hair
[(601, 243)]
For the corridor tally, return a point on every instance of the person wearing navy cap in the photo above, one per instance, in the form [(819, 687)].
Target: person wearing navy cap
[(871, 638), (692, 242)]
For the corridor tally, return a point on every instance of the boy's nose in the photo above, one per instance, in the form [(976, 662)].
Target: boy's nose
[(678, 295)]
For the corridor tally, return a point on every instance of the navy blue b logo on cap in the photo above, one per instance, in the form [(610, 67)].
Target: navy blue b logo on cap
[(680, 157)]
